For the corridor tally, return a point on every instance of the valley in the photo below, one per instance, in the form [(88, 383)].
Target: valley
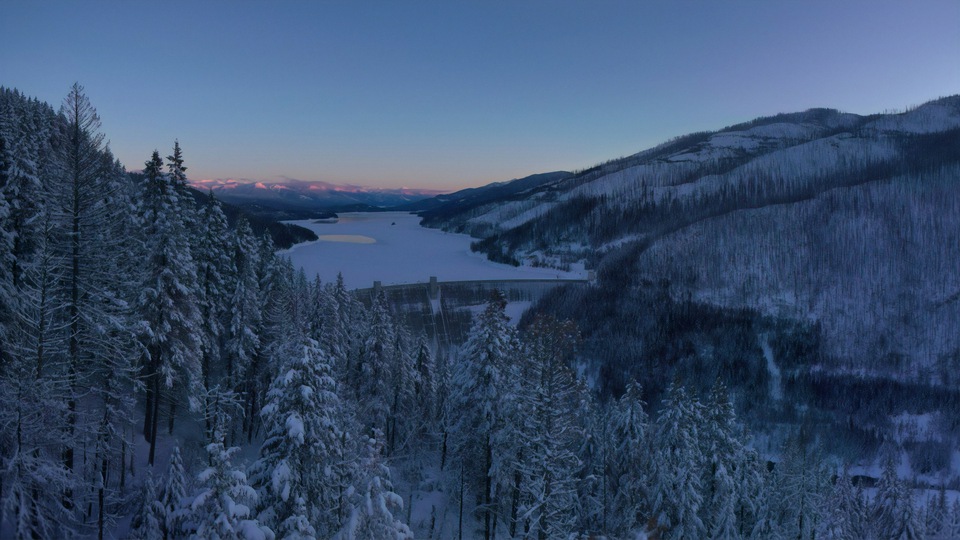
[(679, 342)]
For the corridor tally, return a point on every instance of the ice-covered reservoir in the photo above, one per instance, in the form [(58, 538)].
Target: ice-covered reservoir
[(392, 247)]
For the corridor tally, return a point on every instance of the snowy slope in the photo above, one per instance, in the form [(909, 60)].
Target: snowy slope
[(834, 218)]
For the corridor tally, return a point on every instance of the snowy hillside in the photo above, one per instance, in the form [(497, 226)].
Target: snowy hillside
[(714, 209), (825, 240)]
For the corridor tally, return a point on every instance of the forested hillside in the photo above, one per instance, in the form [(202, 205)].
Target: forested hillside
[(806, 260), (165, 375)]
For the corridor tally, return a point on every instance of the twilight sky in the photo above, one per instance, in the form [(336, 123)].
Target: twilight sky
[(446, 95)]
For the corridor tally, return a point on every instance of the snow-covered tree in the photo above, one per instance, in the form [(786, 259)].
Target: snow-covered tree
[(149, 514), (551, 434), (301, 475), (172, 496), (952, 525), (34, 476), (730, 478), (224, 507), (244, 327), (215, 276), (792, 497), (372, 373), (340, 328), (425, 384), (936, 515), (374, 505), (629, 462), (170, 327), (676, 484), (894, 515), (593, 451), (404, 419), (479, 389), (843, 513)]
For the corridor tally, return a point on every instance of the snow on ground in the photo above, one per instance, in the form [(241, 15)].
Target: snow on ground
[(776, 388), (401, 252)]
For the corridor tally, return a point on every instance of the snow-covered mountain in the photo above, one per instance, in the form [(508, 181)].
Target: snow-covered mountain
[(842, 224), (299, 198)]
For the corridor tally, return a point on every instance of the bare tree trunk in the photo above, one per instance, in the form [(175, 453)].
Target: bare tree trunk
[(460, 517), (487, 487), (148, 408), (516, 496), (155, 420), (173, 416), (100, 498)]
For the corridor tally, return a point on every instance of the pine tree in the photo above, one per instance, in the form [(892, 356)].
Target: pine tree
[(243, 339), (403, 378), (677, 489), (889, 498), (374, 504), (339, 329), (215, 275), (937, 514), (113, 372), (87, 215), (173, 495), (893, 512), (148, 518), (594, 452), (425, 385), (802, 483), (479, 388), (167, 304), (551, 436), (629, 462), (223, 508), (300, 475), (772, 509), (34, 475), (842, 513), (35, 482), (726, 479), (952, 527), (373, 370)]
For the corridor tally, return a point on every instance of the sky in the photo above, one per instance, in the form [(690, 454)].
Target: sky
[(446, 95)]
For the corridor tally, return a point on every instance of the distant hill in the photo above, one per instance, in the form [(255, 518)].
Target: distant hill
[(283, 235), (297, 199), (447, 206)]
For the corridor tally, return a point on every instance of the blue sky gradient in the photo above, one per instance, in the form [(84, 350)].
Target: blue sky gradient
[(445, 95)]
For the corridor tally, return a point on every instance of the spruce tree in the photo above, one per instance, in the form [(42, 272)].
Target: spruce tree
[(224, 507), (149, 514), (374, 505), (373, 370), (629, 462), (842, 513), (170, 327), (172, 496), (677, 488), (479, 388), (300, 475), (551, 434), (215, 276)]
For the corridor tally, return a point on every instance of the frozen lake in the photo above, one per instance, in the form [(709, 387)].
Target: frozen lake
[(392, 247)]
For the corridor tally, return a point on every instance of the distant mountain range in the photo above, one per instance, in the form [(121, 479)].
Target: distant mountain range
[(299, 199)]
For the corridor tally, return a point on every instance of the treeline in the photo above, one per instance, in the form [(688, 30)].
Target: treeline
[(131, 317)]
